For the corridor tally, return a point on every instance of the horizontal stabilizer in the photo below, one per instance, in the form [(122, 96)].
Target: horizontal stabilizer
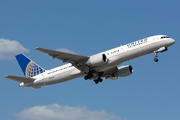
[(20, 79)]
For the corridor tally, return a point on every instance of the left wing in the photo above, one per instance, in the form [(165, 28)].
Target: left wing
[(76, 60)]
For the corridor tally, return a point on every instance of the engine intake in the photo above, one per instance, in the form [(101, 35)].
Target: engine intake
[(124, 71), (97, 60)]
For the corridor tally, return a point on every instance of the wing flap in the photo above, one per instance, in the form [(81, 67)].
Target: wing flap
[(108, 74), (20, 79)]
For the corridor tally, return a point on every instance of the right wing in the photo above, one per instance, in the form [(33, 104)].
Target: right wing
[(20, 79), (109, 74)]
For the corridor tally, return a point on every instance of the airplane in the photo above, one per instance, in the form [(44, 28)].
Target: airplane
[(102, 65)]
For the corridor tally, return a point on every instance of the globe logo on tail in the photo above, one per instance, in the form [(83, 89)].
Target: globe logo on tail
[(33, 69)]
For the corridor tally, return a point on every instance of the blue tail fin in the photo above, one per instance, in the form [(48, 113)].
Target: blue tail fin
[(29, 68)]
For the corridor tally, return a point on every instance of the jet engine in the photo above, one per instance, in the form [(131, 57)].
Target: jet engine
[(97, 60), (124, 71)]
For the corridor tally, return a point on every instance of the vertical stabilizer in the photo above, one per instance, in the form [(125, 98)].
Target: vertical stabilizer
[(29, 68)]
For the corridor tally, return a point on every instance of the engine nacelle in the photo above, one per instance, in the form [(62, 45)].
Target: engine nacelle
[(97, 60), (124, 71)]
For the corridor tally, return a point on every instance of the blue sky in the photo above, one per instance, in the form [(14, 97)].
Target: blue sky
[(152, 92)]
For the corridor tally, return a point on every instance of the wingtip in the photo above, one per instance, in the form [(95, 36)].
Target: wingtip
[(37, 48), (6, 76)]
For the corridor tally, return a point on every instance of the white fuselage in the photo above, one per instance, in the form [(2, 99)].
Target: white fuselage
[(115, 57)]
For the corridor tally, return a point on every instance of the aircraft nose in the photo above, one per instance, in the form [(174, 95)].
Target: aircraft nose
[(172, 41)]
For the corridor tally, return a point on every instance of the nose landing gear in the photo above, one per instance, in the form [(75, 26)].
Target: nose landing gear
[(162, 49), (156, 60), (156, 55)]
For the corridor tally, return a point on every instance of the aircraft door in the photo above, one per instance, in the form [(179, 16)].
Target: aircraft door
[(123, 48), (154, 39), (42, 75)]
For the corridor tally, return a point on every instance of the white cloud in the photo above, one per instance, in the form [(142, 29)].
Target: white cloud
[(126, 118), (65, 50), (10, 48), (59, 112)]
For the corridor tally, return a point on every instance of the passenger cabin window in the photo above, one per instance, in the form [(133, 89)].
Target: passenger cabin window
[(164, 37)]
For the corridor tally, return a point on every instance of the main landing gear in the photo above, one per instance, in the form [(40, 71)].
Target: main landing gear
[(89, 76), (98, 80), (94, 75)]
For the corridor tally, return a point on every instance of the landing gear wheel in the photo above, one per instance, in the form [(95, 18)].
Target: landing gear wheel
[(156, 55), (156, 60), (96, 81), (86, 77), (100, 80)]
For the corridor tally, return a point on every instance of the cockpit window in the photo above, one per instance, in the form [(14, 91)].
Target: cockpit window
[(164, 37)]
